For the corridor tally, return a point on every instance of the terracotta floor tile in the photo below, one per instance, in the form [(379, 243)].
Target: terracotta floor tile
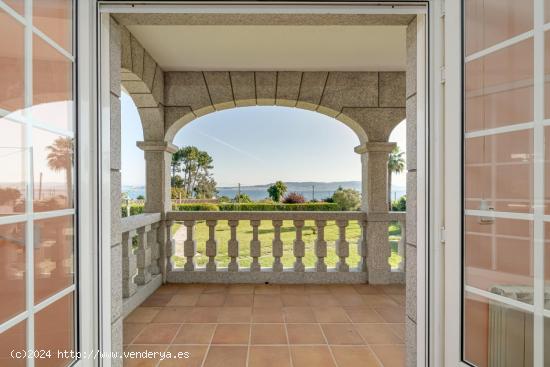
[(195, 334), (157, 334), (226, 356), (142, 315), (211, 300), (316, 289), (268, 334), (267, 314), (341, 334), (292, 289), (305, 334), (172, 315), (203, 314), (350, 300), (168, 289), (399, 298), (354, 356), (267, 289), (378, 334), (299, 314), (316, 300), (268, 356), (340, 289), (157, 300), (378, 300), (363, 314), (130, 331), (231, 334), (137, 361), (309, 356), (398, 329), (235, 300), (195, 355), (184, 299), (191, 288), (215, 288), (267, 300), (366, 289), (393, 288), (392, 314), (330, 314), (295, 300), (235, 315), (390, 355), (241, 289)]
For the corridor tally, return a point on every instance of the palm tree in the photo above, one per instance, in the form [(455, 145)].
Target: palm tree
[(396, 164), (61, 157)]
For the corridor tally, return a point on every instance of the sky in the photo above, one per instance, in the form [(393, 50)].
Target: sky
[(259, 145)]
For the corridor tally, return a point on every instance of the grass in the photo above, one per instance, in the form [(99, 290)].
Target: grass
[(288, 234)]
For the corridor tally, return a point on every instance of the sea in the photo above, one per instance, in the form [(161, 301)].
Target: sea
[(256, 193)]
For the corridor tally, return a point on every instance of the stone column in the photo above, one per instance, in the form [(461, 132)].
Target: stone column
[(158, 156), (374, 158)]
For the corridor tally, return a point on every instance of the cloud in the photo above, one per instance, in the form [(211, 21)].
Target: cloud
[(230, 146)]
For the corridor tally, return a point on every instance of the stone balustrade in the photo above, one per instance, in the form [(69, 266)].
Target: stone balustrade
[(142, 264), (343, 272)]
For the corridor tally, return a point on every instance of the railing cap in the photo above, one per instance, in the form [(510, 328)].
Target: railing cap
[(134, 222)]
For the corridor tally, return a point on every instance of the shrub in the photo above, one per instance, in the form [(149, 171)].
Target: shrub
[(399, 205), (224, 199), (294, 198), (134, 210), (242, 198), (276, 191), (347, 199), (178, 193), (197, 207), (279, 207)]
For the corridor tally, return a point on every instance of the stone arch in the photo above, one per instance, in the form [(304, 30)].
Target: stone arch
[(143, 79), (370, 103)]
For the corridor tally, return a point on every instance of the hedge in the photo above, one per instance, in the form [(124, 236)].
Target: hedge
[(134, 209), (196, 207), (265, 207), (233, 207)]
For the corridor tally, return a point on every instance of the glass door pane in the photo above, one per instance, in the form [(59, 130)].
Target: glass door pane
[(505, 258), (37, 195)]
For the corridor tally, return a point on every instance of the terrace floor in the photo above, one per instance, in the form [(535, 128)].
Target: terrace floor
[(270, 326)]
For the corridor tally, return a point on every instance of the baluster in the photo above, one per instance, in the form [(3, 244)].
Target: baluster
[(299, 247), (152, 239), (320, 246), (362, 247), (211, 246), (189, 246), (143, 256), (342, 246), (277, 246), (168, 249), (401, 245), (255, 246), (233, 246), (129, 267)]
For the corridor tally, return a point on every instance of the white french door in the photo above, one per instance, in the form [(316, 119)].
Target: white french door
[(498, 213), (39, 141)]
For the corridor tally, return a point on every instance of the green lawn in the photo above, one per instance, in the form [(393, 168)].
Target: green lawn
[(288, 233)]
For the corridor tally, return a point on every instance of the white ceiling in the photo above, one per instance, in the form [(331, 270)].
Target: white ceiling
[(275, 47)]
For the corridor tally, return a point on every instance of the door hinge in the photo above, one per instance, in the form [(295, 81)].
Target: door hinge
[(442, 74), (442, 235)]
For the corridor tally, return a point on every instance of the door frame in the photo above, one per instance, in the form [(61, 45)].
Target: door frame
[(453, 212), (429, 217)]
